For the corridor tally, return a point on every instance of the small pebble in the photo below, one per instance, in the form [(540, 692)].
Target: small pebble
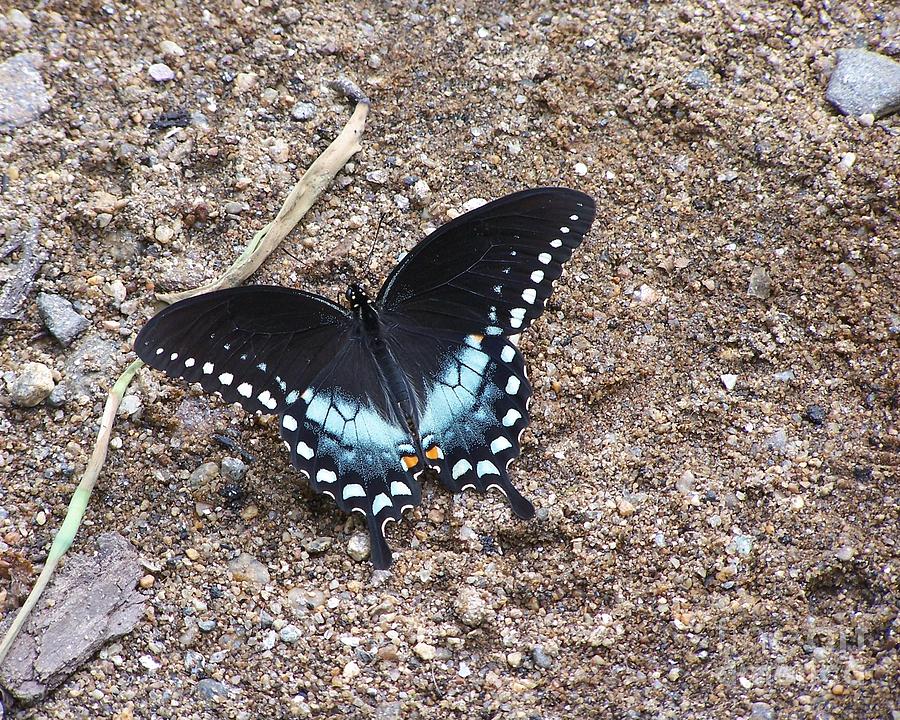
[(581, 169), (244, 82), (23, 95), (514, 659), (864, 82), (211, 689), (192, 554), (149, 663), (471, 607), (729, 381), (171, 49), (351, 670), (541, 658), (697, 79), (234, 208), (206, 626), (233, 469), (760, 285), (289, 634), (425, 651), (147, 581), (377, 177), (815, 414), (160, 72), (246, 567), (358, 547), (625, 508), (761, 711), (33, 385), (204, 475), (318, 545), (303, 111), (288, 15)]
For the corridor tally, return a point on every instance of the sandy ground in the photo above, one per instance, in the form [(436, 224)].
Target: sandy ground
[(699, 551)]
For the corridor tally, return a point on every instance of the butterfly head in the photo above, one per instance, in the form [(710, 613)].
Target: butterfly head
[(356, 296)]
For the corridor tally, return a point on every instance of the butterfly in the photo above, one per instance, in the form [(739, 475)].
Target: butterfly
[(425, 376)]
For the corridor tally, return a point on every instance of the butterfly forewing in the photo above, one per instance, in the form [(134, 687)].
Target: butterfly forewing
[(492, 269), (258, 346)]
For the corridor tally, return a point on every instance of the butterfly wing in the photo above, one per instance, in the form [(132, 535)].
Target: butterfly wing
[(450, 305), (473, 397), (277, 350), (256, 345), (348, 438), (491, 270)]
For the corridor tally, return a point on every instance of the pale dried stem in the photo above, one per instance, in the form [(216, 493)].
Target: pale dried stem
[(298, 202)]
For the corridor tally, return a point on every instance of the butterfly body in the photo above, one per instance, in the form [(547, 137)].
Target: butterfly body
[(424, 376)]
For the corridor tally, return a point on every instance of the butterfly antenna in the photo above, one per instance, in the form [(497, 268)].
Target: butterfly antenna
[(374, 241)]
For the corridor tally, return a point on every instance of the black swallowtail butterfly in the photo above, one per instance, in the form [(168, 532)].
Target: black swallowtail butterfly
[(424, 376)]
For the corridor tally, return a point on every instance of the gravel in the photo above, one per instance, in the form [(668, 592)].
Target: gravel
[(358, 546), (658, 612)]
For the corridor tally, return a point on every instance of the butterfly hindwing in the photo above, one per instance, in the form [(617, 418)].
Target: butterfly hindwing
[(473, 397), (494, 267), (346, 437), (258, 345)]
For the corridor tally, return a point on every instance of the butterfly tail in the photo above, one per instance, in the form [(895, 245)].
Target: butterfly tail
[(380, 551)]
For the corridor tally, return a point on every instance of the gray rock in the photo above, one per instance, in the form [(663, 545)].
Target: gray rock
[(864, 82), (92, 600), (92, 361), (206, 626), (33, 385), (318, 545), (57, 397), (303, 111), (762, 711), (697, 79), (61, 319), (541, 658), (289, 634), (288, 15), (358, 547), (23, 95), (760, 285), (233, 469), (377, 177), (212, 689), (161, 72)]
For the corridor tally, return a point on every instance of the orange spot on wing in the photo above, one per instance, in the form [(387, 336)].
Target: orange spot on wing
[(410, 461), (433, 453), (477, 338)]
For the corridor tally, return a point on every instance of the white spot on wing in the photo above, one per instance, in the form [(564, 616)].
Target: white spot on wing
[(460, 469), (326, 476), (564, 229), (289, 422), (557, 243), (500, 444), (573, 217), (353, 490), (486, 467), (190, 362), (510, 418), (245, 389), (399, 488), (380, 502), (208, 368), (304, 450), (173, 356), (512, 385), (159, 351), (507, 353), (528, 295), (226, 378), (265, 397), (537, 276), (544, 258)]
